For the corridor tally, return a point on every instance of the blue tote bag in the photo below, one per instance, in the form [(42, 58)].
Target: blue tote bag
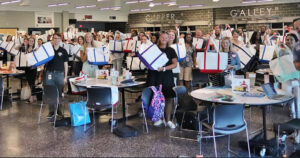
[(78, 111)]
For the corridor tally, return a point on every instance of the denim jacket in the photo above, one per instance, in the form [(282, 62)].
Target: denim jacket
[(235, 60)]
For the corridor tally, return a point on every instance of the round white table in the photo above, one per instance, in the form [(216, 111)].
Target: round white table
[(211, 94)]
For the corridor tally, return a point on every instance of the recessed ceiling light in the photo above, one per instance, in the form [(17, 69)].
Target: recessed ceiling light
[(151, 5), (216, 0)]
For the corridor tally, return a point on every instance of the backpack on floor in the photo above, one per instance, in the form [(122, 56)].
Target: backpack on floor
[(156, 109)]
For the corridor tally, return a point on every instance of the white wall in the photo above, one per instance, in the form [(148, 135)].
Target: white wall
[(24, 20)]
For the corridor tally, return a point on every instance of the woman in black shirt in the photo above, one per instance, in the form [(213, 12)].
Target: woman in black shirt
[(164, 76)]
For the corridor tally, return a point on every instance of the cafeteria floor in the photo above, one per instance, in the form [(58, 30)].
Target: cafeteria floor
[(20, 135)]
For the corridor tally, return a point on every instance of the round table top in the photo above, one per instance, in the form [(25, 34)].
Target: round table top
[(211, 95), (93, 82)]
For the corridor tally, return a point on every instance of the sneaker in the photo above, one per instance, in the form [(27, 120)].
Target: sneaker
[(50, 115), (171, 124), (158, 123)]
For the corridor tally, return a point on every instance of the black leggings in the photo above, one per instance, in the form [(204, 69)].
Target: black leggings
[(30, 74)]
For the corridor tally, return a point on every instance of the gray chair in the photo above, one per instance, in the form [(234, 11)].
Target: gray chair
[(228, 120), (1, 91), (50, 97), (99, 98)]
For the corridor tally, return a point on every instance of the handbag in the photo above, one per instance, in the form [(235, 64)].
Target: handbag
[(116, 46), (21, 60), (42, 56), (152, 56), (25, 93), (134, 63), (283, 67), (98, 56), (245, 54), (128, 45), (180, 49), (266, 53), (77, 90), (198, 43), (212, 63), (79, 113)]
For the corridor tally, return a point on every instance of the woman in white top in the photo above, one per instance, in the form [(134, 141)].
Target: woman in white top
[(87, 68), (117, 58)]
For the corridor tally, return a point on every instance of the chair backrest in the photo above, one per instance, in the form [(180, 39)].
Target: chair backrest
[(147, 95), (183, 99), (199, 77), (229, 116), (99, 97), (50, 94)]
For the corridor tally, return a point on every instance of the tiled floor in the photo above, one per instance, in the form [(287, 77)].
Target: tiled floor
[(20, 135)]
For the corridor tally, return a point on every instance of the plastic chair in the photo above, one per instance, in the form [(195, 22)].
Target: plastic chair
[(1, 91), (99, 98), (229, 119), (50, 97), (147, 95)]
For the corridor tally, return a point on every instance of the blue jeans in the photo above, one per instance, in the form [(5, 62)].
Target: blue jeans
[(56, 79)]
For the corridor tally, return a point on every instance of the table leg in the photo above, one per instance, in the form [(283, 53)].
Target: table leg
[(7, 82), (124, 130), (123, 104), (264, 115)]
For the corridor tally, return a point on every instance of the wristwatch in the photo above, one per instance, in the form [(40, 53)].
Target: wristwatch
[(164, 69)]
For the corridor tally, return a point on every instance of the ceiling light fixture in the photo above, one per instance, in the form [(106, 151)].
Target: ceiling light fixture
[(216, 0), (10, 2), (58, 5)]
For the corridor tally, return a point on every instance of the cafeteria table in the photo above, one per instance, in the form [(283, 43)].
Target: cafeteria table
[(7, 74), (93, 82), (210, 94)]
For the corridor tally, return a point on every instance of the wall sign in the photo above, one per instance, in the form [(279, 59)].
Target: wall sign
[(161, 18), (255, 12), (44, 19)]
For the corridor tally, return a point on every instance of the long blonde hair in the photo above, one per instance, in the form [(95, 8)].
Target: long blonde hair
[(230, 44), (85, 44)]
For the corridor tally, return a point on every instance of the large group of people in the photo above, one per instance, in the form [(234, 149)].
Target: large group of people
[(220, 39)]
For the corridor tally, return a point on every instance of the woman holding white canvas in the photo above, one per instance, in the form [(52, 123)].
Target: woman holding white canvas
[(164, 76), (87, 68)]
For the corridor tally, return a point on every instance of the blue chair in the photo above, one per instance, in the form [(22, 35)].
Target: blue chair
[(228, 120)]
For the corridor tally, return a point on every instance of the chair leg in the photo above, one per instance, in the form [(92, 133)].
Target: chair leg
[(228, 145), (215, 144), (200, 133), (112, 119), (182, 120), (40, 113), (2, 98), (145, 120), (85, 118), (174, 112), (248, 144), (55, 115)]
